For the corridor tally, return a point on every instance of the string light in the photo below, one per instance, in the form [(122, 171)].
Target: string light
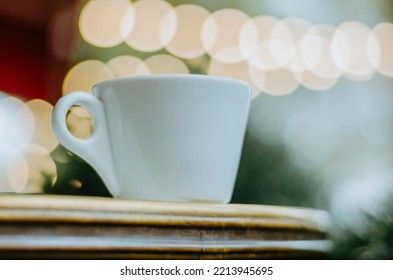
[(274, 55)]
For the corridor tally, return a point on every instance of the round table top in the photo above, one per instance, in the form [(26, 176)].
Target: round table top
[(54, 226)]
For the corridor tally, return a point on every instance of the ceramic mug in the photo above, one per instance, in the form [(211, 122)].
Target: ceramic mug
[(162, 137)]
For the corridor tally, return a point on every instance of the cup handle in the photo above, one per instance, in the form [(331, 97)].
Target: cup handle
[(96, 149)]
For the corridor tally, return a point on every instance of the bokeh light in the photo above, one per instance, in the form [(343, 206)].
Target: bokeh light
[(84, 75), (41, 169), (322, 66), (268, 50), (280, 82), (293, 49), (238, 71), (220, 44), (18, 123), (75, 184), (14, 164), (79, 122), (315, 56), (288, 32), (43, 134), (257, 78), (106, 23), (186, 43), (384, 34), (298, 28), (318, 71), (125, 65), (315, 82), (310, 48), (355, 50), (25, 128), (166, 64), (155, 25)]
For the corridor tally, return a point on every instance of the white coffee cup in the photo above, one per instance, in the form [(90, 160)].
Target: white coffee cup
[(162, 137)]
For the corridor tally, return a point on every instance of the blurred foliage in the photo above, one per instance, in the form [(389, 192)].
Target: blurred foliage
[(267, 177), (75, 170), (275, 181), (375, 243)]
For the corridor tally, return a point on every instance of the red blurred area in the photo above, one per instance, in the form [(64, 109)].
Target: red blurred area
[(27, 67), (23, 60)]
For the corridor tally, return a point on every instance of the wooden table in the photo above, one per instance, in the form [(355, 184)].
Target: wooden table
[(72, 227)]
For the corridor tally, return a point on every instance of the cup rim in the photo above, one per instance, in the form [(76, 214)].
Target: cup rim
[(173, 76)]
